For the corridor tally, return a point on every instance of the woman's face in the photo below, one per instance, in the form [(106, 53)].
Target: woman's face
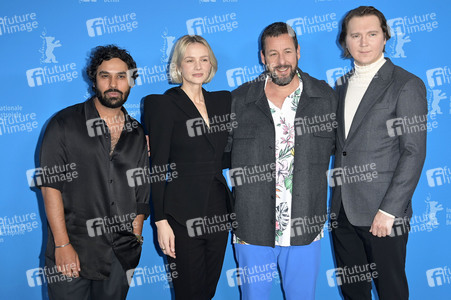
[(195, 66)]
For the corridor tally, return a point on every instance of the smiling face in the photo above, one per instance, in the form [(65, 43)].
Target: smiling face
[(112, 83), (195, 65), (281, 58), (365, 39)]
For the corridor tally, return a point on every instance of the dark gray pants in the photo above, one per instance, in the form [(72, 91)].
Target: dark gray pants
[(113, 288)]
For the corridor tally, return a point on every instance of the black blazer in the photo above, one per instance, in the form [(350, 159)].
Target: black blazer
[(179, 136)]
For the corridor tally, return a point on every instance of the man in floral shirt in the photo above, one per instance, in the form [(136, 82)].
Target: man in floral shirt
[(280, 151)]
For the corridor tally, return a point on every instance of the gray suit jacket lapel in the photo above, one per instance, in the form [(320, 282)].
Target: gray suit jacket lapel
[(341, 113), (376, 89)]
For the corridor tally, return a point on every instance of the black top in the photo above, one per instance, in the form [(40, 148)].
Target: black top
[(102, 194), (179, 136)]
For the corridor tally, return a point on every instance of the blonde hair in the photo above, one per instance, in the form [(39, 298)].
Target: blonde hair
[(179, 52)]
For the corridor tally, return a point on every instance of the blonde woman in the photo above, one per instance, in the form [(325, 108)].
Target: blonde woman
[(186, 128)]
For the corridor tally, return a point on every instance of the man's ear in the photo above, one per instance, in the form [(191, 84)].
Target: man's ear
[(262, 57)]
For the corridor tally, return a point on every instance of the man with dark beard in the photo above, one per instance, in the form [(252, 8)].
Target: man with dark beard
[(95, 220), (280, 153)]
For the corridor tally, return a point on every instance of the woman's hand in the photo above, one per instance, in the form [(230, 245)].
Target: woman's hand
[(166, 238)]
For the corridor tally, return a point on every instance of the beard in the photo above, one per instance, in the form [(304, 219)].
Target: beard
[(282, 81), (112, 102)]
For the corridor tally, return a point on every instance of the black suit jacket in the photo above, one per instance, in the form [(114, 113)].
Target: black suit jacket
[(179, 136)]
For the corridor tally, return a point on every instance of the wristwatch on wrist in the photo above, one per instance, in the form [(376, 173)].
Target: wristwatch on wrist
[(140, 239)]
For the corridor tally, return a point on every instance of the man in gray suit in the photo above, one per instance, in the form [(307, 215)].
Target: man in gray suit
[(281, 149), (380, 151)]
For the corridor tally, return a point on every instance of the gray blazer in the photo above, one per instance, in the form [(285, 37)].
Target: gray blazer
[(252, 144), (397, 149)]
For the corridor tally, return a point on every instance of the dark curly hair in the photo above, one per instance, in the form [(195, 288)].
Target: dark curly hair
[(361, 11), (101, 53)]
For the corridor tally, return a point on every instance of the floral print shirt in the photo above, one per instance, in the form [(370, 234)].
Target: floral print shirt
[(284, 128)]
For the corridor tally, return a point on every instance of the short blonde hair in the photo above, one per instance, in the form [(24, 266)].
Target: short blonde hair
[(179, 52)]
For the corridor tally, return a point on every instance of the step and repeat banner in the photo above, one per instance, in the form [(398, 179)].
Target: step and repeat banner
[(44, 47)]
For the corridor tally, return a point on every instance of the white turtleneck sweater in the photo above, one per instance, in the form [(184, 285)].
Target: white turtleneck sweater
[(357, 86)]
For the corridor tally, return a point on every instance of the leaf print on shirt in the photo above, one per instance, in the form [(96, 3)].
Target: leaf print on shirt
[(285, 153), (295, 100), (282, 170), (282, 219)]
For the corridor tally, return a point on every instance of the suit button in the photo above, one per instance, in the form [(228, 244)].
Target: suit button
[(272, 222), (344, 153)]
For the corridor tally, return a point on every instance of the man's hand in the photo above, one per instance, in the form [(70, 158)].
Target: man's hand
[(67, 262), (382, 225), (166, 238)]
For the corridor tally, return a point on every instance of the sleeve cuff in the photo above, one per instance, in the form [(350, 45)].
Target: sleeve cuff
[(387, 214), (143, 209)]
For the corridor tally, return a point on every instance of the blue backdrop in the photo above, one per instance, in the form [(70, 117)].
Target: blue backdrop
[(44, 46)]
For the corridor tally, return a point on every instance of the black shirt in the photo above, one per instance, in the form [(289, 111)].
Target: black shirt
[(102, 193)]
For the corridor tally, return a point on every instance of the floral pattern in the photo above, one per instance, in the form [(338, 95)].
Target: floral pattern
[(284, 126)]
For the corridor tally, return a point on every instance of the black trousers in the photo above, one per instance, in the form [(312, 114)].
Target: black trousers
[(200, 255), (114, 288), (362, 257)]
